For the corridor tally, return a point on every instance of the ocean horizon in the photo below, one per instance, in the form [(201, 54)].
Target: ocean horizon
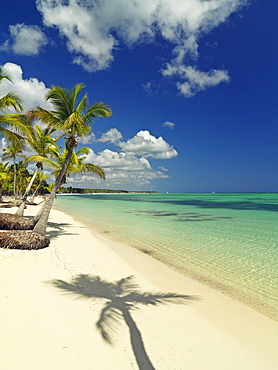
[(228, 241)]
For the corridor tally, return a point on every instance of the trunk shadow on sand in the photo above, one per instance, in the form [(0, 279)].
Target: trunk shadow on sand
[(120, 297)]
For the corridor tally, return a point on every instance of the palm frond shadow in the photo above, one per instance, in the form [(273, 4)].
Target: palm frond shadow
[(58, 229), (120, 297)]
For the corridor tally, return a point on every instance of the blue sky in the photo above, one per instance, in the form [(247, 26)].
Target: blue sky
[(192, 85)]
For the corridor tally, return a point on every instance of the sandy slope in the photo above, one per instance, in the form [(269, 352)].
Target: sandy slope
[(44, 326)]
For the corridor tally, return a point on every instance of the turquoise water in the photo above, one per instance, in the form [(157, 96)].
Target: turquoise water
[(227, 241)]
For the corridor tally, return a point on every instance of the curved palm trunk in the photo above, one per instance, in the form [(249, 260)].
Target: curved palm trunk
[(36, 192), (137, 343), (20, 210), (44, 212)]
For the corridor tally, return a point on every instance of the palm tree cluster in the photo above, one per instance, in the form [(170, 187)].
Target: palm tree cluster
[(39, 131), (15, 178)]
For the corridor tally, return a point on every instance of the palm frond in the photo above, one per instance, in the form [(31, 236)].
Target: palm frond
[(59, 98), (75, 91), (11, 100), (20, 124), (45, 116), (12, 137), (84, 150), (89, 168), (4, 74), (38, 158), (97, 110)]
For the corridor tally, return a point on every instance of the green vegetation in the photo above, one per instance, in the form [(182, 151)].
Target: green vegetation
[(39, 130), (23, 177), (72, 190), (73, 117)]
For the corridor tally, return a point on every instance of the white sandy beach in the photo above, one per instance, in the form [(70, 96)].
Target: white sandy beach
[(44, 327)]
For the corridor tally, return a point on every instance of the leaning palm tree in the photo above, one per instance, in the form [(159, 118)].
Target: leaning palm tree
[(41, 177), (72, 118), (12, 125), (41, 143), (120, 298), (11, 152), (75, 165)]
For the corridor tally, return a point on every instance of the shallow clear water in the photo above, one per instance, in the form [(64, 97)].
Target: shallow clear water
[(227, 241)]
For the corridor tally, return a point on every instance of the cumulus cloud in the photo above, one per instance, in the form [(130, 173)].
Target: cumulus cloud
[(87, 139), (123, 161), (168, 124), (31, 90), (117, 179), (95, 29), (130, 167), (142, 144), (113, 136), (122, 171), (147, 145), (25, 40)]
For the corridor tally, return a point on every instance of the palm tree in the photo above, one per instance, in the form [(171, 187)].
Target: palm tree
[(73, 119), (11, 152), (40, 142), (41, 177), (120, 298), (75, 165), (4, 177), (18, 122)]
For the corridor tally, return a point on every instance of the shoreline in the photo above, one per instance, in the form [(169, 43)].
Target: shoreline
[(212, 332)]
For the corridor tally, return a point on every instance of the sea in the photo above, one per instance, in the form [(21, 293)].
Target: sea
[(228, 242)]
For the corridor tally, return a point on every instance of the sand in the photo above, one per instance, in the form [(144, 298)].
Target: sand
[(49, 322)]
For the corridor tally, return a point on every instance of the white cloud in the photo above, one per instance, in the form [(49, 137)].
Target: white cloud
[(147, 145), (113, 136), (129, 168), (163, 168), (25, 40), (194, 80), (117, 179), (87, 139), (122, 171), (168, 124), (142, 144), (122, 161), (3, 145), (31, 90), (150, 88), (95, 29)]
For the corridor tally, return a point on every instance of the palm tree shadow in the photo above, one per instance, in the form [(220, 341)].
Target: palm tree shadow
[(120, 298)]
